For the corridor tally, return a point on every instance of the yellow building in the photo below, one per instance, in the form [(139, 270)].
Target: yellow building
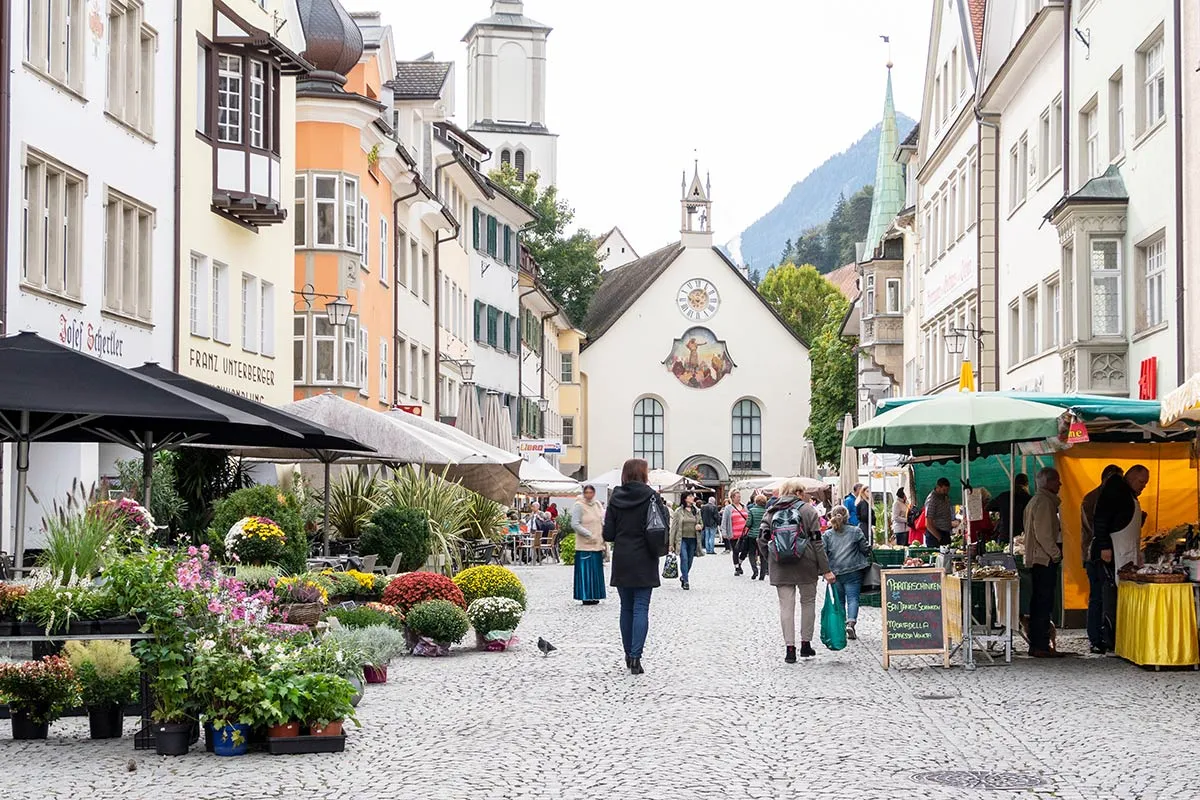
[(572, 399), (236, 150)]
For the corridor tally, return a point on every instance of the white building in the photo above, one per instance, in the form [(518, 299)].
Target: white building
[(688, 367), (506, 90), (614, 250), (90, 204)]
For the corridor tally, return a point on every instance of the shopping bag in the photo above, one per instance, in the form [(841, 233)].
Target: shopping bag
[(671, 567), (833, 619)]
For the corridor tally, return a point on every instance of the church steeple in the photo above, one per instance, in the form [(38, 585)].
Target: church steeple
[(695, 209), (888, 196)]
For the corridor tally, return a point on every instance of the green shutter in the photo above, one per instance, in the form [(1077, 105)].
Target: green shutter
[(475, 230), (491, 236), (478, 332), (507, 245), (508, 348)]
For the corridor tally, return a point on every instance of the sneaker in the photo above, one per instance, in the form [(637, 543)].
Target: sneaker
[(850, 634), (738, 571), (806, 650), (754, 576), (686, 586), (790, 657), (1098, 651)]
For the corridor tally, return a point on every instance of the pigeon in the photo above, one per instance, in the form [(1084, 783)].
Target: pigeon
[(545, 647)]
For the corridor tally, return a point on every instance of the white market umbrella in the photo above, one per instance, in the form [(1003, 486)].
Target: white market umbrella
[(660, 479), (497, 423), (469, 420), (808, 459), (848, 474), (540, 477), (1183, 403)]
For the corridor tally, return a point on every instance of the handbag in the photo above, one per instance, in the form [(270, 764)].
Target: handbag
[(656, 527), (872, 579), (670, 569), (833, 619)]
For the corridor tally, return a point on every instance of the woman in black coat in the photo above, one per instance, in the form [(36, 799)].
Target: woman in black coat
[(635, 555)]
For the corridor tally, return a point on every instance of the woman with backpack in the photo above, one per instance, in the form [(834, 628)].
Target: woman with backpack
[(848, 551), (686, 530), (734, 522), (639, 539), (796, 558)]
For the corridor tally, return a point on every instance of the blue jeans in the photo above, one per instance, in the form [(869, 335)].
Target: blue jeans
[(851, 585), (635, 618), (687, 553), (710, 540)]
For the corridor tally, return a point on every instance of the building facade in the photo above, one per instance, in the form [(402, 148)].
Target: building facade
[(614, 250), (237, 155), (688, 367)]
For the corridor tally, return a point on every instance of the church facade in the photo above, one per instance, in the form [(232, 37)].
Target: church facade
[(688, 367)]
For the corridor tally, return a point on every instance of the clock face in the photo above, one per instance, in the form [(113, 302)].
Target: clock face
[(698, 300)]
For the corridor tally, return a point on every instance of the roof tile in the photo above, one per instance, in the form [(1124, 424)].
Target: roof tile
[(419, 80)]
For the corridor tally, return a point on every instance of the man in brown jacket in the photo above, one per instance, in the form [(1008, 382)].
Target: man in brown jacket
[(1102, 600), (1043, 554)]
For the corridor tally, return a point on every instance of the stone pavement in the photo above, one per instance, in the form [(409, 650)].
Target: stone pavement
[(718, 714)]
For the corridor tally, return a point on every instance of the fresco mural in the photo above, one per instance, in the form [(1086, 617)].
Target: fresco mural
[(699, 359)]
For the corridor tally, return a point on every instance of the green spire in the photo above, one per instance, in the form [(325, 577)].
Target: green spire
[(889, 178)]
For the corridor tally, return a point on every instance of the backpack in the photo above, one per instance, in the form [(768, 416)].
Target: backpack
[(789, 539), (918, 525), (914, 513)]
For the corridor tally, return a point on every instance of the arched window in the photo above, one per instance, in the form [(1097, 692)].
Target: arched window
[(520, 164), (505, 157), (747, 435), (648, 427)]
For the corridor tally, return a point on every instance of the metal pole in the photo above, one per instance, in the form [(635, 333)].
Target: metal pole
[(969, 601), (325, 527), (1012, 494), (147, 467), (22, 481)]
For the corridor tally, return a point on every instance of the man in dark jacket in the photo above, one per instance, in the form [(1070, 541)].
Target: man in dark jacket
[(1016, 525), (1102, 600), (1115, 510), (710, 518)]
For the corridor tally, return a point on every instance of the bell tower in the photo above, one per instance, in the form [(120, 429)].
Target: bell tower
[(695, 210)]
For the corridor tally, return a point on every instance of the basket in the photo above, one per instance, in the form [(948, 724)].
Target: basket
[(1170, 577), (302, 613)]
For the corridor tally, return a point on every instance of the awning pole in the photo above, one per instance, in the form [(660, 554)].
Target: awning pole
[(325, 527), (147, 467), (969, 600), (22, 482), (1012, 496)]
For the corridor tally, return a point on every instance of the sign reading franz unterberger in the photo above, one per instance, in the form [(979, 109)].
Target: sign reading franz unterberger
[(242, 371)]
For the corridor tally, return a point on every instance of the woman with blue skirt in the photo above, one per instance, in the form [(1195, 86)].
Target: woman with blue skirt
[(587, 518)]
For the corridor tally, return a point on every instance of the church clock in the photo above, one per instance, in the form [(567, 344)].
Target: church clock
[(698, 300)]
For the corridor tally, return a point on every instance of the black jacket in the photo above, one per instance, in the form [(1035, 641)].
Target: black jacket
[(634, 561), (1114, 510), (710, 515), (999, 505)]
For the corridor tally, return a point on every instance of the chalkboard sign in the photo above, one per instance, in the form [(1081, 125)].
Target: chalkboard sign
[(913, 606)]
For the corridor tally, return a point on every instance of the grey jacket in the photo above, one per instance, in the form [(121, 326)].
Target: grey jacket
[(813, 563), (848, 549)]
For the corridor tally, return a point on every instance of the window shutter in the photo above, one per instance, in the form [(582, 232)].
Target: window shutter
[(507, 245), (491, 236), (478, 306), (475, 232), (508, 333)]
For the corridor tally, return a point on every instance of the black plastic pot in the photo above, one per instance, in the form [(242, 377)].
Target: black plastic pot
[(306, 744), (209, 737), (29, 629), (118, 625), (172, 738), (8, 627), (81, 627), (25, 728), (106, 722), (43, 649)]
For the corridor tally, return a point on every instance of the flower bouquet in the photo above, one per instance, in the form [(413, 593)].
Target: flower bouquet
[(255, 540), (494, 620)]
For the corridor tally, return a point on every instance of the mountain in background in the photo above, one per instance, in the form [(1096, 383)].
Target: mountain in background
[(811, 201)]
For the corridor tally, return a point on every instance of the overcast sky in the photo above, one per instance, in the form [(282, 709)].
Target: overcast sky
[(762, 91)]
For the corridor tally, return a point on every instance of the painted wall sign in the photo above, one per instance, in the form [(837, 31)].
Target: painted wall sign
[(232, 367), (946, 281), (539, 447), (88, 337), (699, 359)]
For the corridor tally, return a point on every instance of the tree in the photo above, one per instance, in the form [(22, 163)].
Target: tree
[(570, 268), (787, 252), (815, 309)]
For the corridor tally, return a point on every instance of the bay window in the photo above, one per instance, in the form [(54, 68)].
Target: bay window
[(1106, 287)]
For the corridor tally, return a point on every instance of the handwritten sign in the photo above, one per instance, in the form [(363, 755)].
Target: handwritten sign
[(913, 606)]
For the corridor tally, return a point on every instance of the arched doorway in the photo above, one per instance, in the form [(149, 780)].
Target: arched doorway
[(708, 471)]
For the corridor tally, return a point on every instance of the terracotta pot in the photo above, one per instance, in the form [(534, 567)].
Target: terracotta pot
[(283, 731), (332, 729), (375, 674)]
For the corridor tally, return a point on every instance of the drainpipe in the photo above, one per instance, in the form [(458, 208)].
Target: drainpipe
[(1180, 346), (1066, 126), (177, 300), (5, 157), (396, 287)]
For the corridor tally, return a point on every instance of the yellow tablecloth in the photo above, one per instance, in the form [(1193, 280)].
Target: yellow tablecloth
[(1156, 624)]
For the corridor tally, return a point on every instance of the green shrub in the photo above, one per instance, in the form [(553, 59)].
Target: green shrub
[(566, 549), (363, 617), (262, 501), (256, 578), (439, 620), (395, 530)]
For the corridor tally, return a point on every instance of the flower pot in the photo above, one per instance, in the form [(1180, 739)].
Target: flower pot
[(232, 740), (8, 627), (118, 625), (357, 683), (375, 674), (30, 629), (25, 728), (105, 722), (287, 731), (209, 737), (172, 738), (410, 638), (302, 613), (81, 627), (332, 729), (290, 745)]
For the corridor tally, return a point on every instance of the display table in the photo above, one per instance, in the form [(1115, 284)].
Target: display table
[(1000, 607), (1156, 624)]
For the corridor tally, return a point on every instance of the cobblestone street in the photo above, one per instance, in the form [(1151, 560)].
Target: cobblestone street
[(717, 715)]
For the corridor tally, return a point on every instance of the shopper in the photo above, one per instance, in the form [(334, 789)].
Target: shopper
[(587, 520), (1102, 596), (851, 504), (1018, 500), (636, 551), (1043, 555), (792, 515), (686, 529), (900, 519), (866, 512), (939, 516), (710, 516), (733, 527), (757, 508), (1117, 526), (848, 551)]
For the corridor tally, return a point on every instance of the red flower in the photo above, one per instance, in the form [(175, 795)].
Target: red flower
[(412, 588)]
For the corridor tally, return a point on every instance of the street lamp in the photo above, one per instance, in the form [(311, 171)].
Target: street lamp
[(338, 311), (543, 405), (956, 342), (956, 345), (466, 367)]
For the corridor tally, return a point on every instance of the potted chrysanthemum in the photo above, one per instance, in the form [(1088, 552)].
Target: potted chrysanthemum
[(494, 620)]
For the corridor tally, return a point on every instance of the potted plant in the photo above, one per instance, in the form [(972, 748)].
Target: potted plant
[(436, 624), (12, 596), (281, 710), (53, 609), (230, 686), (412, 588), (255, 540), (367, 615), (490, 580), (494, 620), (166, 660), (375, 645), (38, 693), (132, 523), (326, 703), (108, 680), (301, 599)]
